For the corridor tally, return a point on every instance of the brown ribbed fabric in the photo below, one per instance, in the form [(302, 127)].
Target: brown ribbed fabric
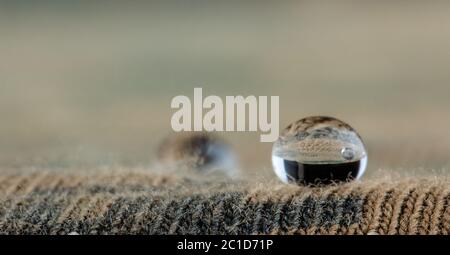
[(144, 203)]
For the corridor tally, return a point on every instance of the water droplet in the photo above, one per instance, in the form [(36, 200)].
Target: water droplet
[(329, 151), (199, 151)]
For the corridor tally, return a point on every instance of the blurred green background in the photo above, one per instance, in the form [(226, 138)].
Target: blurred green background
[(89, 84)]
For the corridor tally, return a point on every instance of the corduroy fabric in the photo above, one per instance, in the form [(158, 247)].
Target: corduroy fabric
[(144, 203)]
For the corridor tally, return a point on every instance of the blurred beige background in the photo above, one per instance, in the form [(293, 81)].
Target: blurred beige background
[(89, 85)]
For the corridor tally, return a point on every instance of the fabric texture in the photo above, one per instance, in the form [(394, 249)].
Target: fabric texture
[(137, 202)]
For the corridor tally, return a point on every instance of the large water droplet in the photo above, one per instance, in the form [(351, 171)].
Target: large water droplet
[(319, 150)]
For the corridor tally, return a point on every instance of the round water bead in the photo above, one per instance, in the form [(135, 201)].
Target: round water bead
[(319, 150), (199, 151)]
